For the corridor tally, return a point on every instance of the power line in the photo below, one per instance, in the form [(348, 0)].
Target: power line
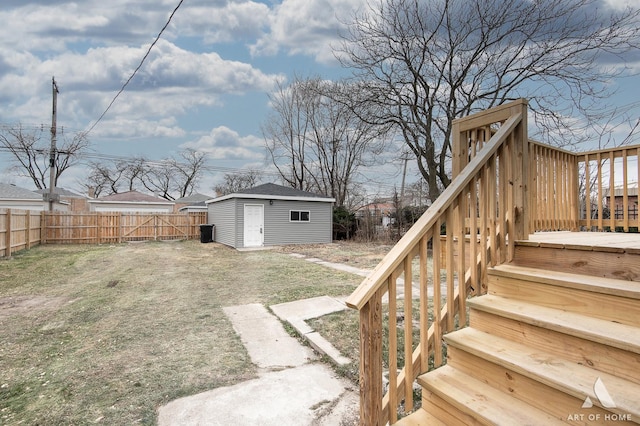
[(136, 70)]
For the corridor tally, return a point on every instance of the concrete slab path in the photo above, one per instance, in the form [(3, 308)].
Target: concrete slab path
[(296, 313), (268, 344), (292, 387)]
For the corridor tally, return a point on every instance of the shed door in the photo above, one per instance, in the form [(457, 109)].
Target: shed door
[(253, 225)]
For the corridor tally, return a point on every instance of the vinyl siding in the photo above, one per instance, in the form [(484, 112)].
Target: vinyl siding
[(223, 216), (280, 231)]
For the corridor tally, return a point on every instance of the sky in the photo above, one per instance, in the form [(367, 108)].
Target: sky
[(204, 85)]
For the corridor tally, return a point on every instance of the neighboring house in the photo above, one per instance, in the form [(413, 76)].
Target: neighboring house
[(131, 202), (192, 203), (381, 213), (200, 207), (14, 197), (76, 202), (617, 206), (270, 215)]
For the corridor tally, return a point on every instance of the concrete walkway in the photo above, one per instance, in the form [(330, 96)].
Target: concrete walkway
[(292, 387)]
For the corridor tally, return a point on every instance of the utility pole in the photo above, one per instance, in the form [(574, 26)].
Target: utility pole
[(404, 174), (52, 153), (400, 203)]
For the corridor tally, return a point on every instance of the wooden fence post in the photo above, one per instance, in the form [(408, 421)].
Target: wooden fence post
[(27, 235), (7, 235), (43, 228), (119, 223), (98, 217)]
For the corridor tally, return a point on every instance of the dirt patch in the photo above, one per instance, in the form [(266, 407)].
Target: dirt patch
[(29, 305)]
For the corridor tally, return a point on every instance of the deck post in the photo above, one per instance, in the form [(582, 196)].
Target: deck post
[(371, 362), (458, 150), (521, 181)]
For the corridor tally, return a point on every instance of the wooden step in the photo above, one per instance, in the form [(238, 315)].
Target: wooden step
[(611, 286), (609, 333), (461, 399), (532, 392), (602, 357), (597, 261), (557, 378), (420, 418), (605, 298)]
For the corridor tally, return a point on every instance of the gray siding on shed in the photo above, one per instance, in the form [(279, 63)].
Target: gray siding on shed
[(223, 216), (228, 217), (279, 230)]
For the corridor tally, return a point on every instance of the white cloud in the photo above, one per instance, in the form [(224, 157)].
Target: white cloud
[(232, 21), (306, 27), (224, 143), (172, 82)]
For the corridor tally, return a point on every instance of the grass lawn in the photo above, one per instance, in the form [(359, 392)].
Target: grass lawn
[(107, 334)]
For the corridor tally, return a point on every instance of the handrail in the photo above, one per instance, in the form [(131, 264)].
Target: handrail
[(392, 260), (483, 209)]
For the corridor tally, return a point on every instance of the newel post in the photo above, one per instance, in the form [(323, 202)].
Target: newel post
[(521, 181), (459, 152), (371, 362)]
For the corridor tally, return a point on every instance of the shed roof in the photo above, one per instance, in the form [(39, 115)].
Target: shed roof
[(271, 191)]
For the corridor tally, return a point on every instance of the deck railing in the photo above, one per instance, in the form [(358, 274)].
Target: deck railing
[(608, 198), (554, 183), (590, 191), (486, 200)]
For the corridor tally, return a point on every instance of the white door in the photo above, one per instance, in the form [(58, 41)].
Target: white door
[(253, 225)]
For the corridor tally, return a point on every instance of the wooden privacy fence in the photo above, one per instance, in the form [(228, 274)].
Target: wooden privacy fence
[(19, 230), (23, 229)]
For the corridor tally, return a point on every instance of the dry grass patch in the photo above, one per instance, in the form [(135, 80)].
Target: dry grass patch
[(107, 334)]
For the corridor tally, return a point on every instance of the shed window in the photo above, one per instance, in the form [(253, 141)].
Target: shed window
[(299, 215)]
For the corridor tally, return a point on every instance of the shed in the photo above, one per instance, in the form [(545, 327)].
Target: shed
[(132, 202), (271, 215)]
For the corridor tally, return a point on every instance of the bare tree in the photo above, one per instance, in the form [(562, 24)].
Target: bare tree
[(187, 171), (103, 178), (171, 178), (285, 132), (115, 176), (31, 156), (422, 64), (316, 141), (234, 182), (159, 178)]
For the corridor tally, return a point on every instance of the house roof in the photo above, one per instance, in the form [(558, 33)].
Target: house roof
[(61, 191), (271, 191), (193, 199), (9, 191), (131, 197)]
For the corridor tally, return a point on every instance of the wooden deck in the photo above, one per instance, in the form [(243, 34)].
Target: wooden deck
[(629, 242)]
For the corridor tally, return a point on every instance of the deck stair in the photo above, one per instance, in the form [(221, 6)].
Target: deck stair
[(543, 347)]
